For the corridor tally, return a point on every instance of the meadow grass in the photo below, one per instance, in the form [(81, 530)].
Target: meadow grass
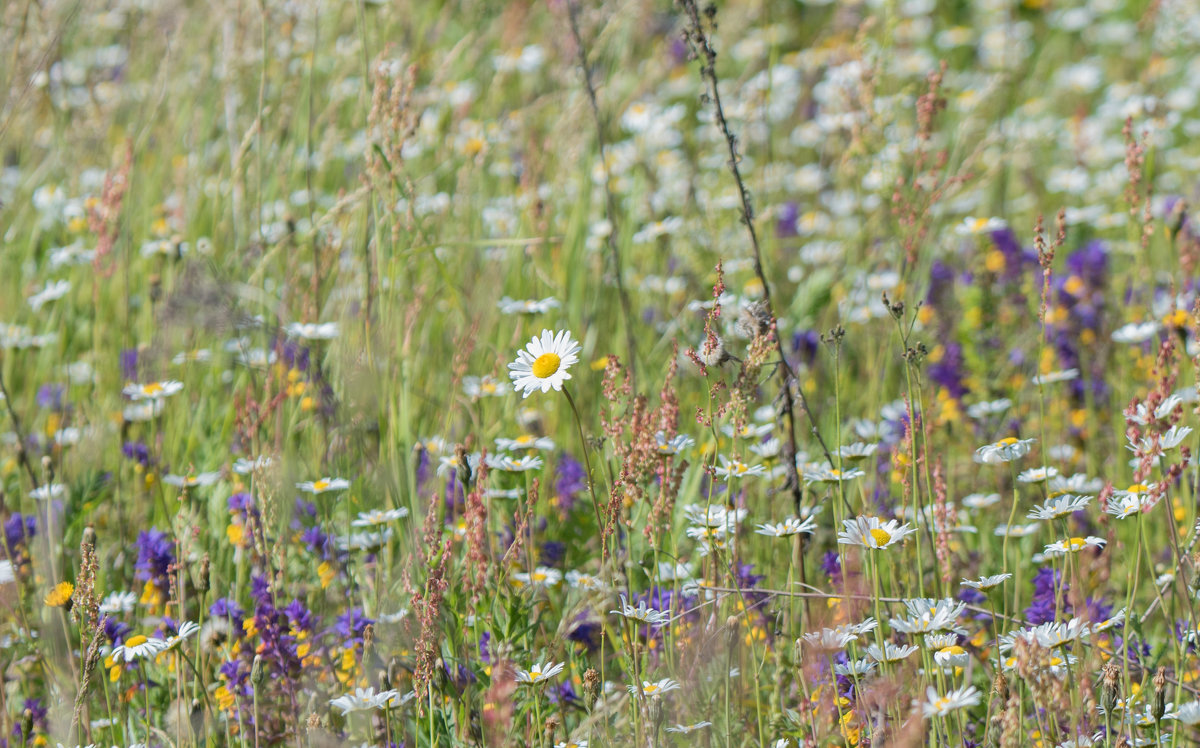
[(598, 373)]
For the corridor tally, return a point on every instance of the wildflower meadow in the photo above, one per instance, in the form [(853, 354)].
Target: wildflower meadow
[(599, 373)]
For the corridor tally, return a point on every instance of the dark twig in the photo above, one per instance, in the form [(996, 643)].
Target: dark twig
[(22, 445), (610, 200), (700, 45)]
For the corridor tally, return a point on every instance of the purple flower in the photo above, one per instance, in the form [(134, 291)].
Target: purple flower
[(156, 553), (50, 396), (137, 452), (129, 364), (17, 530), (226, 607), (1047, 587), (569, 480), (350, 626)]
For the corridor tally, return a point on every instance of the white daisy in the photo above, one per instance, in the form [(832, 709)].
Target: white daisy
[(984, 584), (376, 517), (674, 445), (891, 652), (543, 364), (1006, 450), (526, 441), (365, 700), (312, 331), (869, 532), (152, 390), (1074, 545), (485, 386), (539, 672), (508, 464), (508, 305), (787, 528), (191, 481), (138, 647), (642, 613), (542, 576), (828, 474), (1059, 506), (323, 485), (737, 469), (243, 466), (118, 602), (657, 688), (940, 706)]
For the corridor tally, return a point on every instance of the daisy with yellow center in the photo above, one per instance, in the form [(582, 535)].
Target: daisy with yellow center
[(543, 364), (539, 672), (1074, 545), (869, 532), (152, 390), (657, 688), (323, 485), (940, 706)]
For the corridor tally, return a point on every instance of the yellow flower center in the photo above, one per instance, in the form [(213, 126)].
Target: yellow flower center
[(953, 649), (881, 537), (545, 365), (1006, 441), (320, 485), (535, 674), (1138, 488), (153, 388), (524, 439), (1075, 544), (650, 688), (539, 576), (134, 641)]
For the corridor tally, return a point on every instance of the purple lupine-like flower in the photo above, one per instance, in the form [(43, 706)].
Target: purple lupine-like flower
[(831, 564), (586, 631), (240, 502), (552, 553), (17, 530), (941, 285), (226, 607), (51, 396), (1016, 258), (1090, 262), (299, 616), (785, 223), (136, 451), (806, 344), (485, 649), (318, 542), (949, 371), (156, 553), (260, 588), (350, 625), (570, 480), (115, 631), (424, 468), (562, 693), (129, 364), (1047, 587)]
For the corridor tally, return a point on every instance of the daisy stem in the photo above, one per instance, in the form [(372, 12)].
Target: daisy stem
[(1012, 513), (587, 462)]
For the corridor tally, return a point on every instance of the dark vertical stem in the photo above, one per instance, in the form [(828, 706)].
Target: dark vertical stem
[(610, 200), (708, 70), (22, 445)]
